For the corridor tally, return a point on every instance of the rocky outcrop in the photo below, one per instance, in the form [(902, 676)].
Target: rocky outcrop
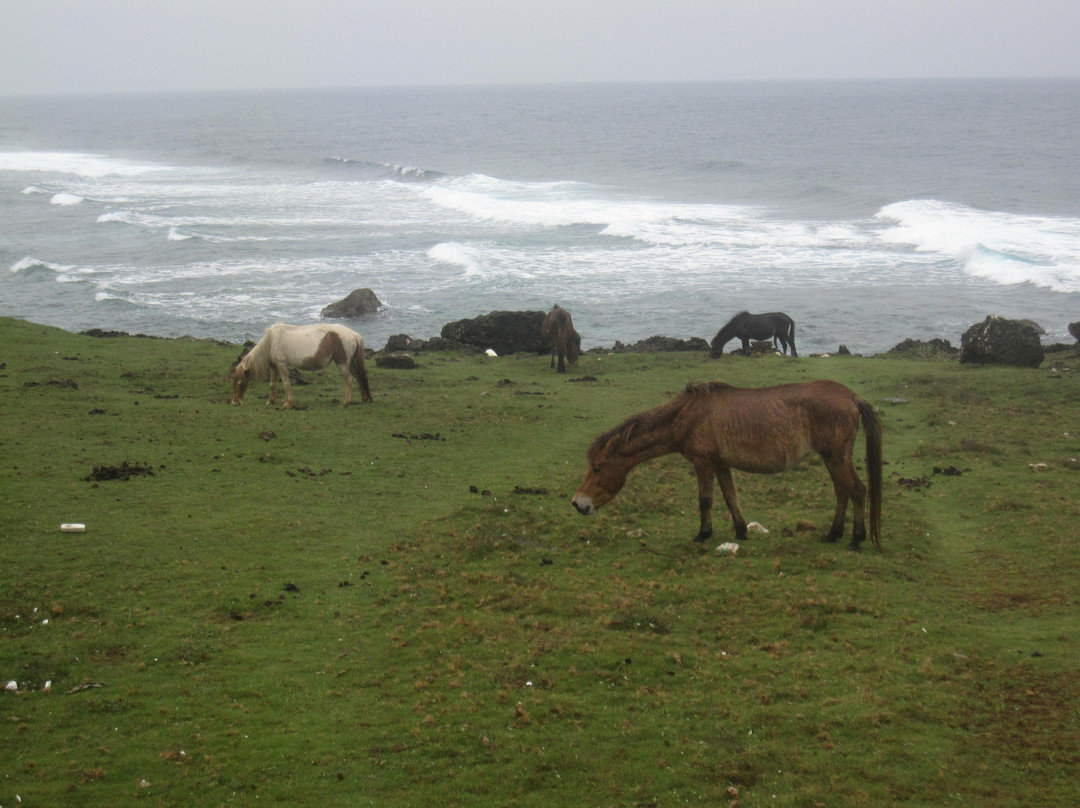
[(504, 332), (395, 361), (928, 349), (357, 304), (658, 344), (399, 343), (999, 341)]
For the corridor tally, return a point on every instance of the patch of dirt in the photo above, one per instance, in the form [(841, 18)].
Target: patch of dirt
[(421, 436), (913, 483), (64, 384), (125, 471), (948, 471)]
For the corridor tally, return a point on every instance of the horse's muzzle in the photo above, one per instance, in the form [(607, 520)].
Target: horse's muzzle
[(584, 506)]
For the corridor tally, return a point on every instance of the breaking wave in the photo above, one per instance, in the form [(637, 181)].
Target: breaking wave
[(1005, 248)]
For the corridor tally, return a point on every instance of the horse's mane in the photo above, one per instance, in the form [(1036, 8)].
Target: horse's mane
[(649, 421), (257, 360), (742, 313)]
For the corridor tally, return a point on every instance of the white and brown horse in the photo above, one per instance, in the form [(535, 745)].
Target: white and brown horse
[(765, 430), (558, 329), (305, 347)]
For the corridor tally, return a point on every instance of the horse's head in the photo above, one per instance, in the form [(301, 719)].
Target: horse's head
[(573, 348), (605, 478), (241, 378)]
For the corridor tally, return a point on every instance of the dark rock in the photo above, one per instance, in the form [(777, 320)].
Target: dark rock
[(999, 341), (400, 343), (395, 361), (928, 349), (1074, 329), (505, 332), (658, 344), (97, 332), (357, 304)]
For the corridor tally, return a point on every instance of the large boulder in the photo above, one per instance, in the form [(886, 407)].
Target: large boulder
[(357, 304), (999, 341), (505, 332)]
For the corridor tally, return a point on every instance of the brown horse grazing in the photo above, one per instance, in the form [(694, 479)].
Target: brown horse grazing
[(306, 347), (746, 326), (718, 428), (558, 329)]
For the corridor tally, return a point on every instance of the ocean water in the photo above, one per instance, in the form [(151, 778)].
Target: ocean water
[(869, 212)]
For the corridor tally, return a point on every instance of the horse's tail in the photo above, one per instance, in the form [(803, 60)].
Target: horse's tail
[(356, 367), (872, 427)]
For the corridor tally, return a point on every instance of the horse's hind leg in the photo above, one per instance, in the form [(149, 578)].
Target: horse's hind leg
[(346, 375), (360, 372), (731, 499), (848, 487), (705, 475)]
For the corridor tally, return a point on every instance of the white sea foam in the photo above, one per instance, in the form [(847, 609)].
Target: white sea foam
[(76, 163), (1005, 248), (29, 264), (65, 200)]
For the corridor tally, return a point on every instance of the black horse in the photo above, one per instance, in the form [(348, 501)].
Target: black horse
[(775, 326)]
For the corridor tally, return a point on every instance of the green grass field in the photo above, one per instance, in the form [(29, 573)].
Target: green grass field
[(395, 604)]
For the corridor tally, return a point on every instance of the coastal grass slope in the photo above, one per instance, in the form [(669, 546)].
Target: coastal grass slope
[(395, 604)]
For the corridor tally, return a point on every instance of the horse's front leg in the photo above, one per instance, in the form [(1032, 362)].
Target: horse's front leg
[(705, 502), (273, 387), (283, 372)]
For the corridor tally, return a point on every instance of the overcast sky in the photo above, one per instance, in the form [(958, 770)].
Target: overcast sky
[(60, 46)]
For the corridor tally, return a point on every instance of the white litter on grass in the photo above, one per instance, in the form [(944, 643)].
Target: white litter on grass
[(73, 527), (490, 352), (757, 527), (728, 548)]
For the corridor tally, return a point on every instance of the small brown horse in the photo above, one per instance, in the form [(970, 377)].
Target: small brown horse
[(746, 326), (765, 430), (558, 329)]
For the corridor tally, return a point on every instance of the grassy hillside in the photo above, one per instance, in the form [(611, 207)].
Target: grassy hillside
[(395, 604)]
